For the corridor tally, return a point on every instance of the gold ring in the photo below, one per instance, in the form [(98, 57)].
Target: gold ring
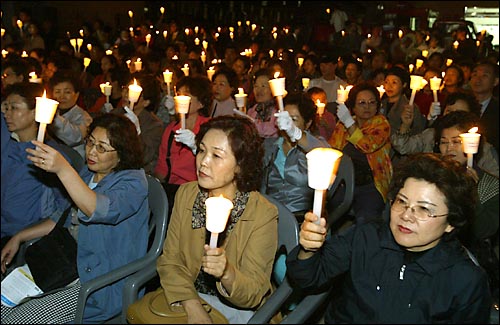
[(43, 161)]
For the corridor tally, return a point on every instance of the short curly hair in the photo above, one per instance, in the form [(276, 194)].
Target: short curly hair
[(451, 179), (247, 147)]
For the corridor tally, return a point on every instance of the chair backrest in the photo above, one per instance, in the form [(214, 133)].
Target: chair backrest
[(158, 222), (343, 181)]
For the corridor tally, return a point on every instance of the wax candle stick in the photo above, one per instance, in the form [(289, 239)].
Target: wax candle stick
[(240, 98), (45, 110), (470, 144), (415, 84), (134, 92), (322, 165), (305, 83), (106, 90), (167, 77), (435, 83), (218, 210), (278, 89), (182, 106)]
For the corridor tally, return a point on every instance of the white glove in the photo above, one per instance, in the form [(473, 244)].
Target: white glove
[(344, 115), (107, 107), (170, 104), (238, 112), (131, 116), (285, 123), (434, 111), (186, 137)]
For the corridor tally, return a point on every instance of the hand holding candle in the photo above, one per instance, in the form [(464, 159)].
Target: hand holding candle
[(322, 164), (470, 144), (217, 213), (182, 107), (45, 110)]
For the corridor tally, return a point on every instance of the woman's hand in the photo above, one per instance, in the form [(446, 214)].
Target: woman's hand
[(312, 235), (47, 158), (407, 116), (9, 251), (214, 262), (196, 314)]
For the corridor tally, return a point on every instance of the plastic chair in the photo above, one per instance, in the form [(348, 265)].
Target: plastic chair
[(288, 238), (158, 205), (308, 304)]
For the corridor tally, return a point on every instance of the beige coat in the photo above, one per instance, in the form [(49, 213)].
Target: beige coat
[(250, 248)]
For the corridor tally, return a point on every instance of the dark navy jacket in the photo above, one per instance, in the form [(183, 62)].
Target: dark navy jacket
[(441, 286)]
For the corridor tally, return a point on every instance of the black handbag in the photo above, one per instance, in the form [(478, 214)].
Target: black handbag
[(52, 259)]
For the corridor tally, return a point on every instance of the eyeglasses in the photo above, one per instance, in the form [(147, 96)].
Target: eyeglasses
[(99, 147), (371, 103), (453, 143), (419, 212)]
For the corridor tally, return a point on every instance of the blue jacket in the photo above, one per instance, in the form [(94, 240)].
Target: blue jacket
[(28, 193), (114, 235), (440, 286)]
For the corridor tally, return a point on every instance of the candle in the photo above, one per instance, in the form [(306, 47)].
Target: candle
[(24, 54), (89, 47), (210, 73), (278, 89), (449, 62), (343, 93), (167, 77), (134, 91), (425, 53), (470, 144), (410, 67), (185, 69), (205, 45), (240, 99), (20, 25), (73, 43), (106, 90), (182, 106), (455, 45), (320, 107), (86, 63), (419, 63), (400, 33), (322, 165), (138, 64), (45, 110), (162, 10), (81, 33), (435, 83), (300, 61), (34, 78), (381, 90), (305, 83), (79, 42), (203, 57), (218, 210), (271, 53), (415, 84), (148, 39), (196, 41)]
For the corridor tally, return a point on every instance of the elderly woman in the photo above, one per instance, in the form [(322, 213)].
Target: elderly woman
[(110, 222), (411, 269), (234, 277), (365, 138)]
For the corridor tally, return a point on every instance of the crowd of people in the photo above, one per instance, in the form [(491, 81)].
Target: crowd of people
[(356, 95)]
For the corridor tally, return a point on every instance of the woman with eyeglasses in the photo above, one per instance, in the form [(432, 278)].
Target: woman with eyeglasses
[(364, 137), (411, 269), (110, 222)]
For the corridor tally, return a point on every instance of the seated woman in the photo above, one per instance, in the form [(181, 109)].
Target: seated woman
[(110, 224), (365, 138), (234, 277), (28, 194), (265, 105), (411, 269), (285, 162), (176, 159), (405, 144), (483, 232)]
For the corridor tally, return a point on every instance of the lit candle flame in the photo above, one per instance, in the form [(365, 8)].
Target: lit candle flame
[(473, 130)]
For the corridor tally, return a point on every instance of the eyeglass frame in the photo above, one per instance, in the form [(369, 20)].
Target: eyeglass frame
[(412, 209), (91, 144)]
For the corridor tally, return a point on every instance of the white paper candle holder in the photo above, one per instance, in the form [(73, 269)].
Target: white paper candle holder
[(182, 107), (218, 210), (470, 144), (45, 111)]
